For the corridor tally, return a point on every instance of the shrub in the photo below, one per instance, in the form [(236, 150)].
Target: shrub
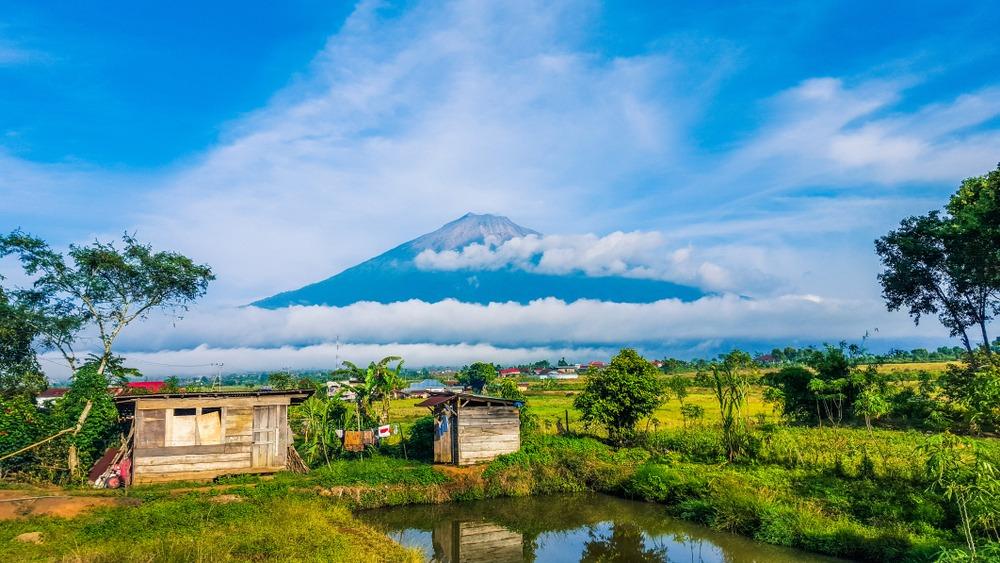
[(420, 441)]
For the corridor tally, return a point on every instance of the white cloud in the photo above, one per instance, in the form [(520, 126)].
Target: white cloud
[(539, 323), (829, 133), (453, 333), (633, 254)]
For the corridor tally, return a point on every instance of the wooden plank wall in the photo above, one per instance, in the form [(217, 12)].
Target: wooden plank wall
[(155, 462), (486, 432)]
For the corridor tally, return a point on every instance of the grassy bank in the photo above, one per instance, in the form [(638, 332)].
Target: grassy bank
[(842, 492), (250, 525)]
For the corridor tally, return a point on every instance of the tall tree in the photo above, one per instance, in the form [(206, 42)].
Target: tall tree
[(917, 274), (948, 263), (102, 286), (974, 230)]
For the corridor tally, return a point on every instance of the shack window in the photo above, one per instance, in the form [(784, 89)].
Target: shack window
[(210, 426), (194, 427)]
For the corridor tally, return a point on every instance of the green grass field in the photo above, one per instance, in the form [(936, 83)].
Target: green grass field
[(557, 403)]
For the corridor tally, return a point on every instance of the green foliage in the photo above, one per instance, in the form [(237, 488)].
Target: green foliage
[(733, 374), (963, 472), (478, 375), (171, 385), (22, 424), (420, 440), (678, 386), (692, 414), (20, 374), (281, 380), (99, 430), (317, 420), (504, 388), (618, 396), (376, 471), (380, 381), (837, 378), (974, 389)]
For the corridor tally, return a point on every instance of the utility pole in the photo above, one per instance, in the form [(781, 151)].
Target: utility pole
[(217, 386)]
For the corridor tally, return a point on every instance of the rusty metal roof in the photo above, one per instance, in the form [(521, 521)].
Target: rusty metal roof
[(437, 399), (434, 401)]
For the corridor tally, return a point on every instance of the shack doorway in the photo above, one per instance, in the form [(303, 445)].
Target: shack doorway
[(445, 438), (266, 425)]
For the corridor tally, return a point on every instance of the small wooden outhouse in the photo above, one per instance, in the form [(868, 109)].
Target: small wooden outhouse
[(473, 428), (194, 436)]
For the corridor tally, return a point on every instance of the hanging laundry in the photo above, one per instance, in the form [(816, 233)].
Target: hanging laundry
[(384, 431), (368, 437), (354, 441), (340, 433)]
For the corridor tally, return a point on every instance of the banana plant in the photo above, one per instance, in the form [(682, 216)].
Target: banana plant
[(379, 381)]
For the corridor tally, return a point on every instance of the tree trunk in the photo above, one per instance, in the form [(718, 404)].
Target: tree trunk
[(986, 338), (72, 459)]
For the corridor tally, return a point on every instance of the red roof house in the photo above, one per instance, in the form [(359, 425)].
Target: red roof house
[(145, 386), (509, 371)]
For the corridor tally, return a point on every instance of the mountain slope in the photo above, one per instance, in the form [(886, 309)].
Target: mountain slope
[(393, 276)]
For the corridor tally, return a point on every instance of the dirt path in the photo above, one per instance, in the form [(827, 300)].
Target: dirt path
[(21, 504)]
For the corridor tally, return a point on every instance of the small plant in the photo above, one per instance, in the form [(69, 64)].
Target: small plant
[(732, 376), (959, 469)]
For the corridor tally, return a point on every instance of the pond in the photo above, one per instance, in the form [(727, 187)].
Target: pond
[(567, 528)]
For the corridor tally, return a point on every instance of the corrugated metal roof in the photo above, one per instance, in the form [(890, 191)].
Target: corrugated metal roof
[(436, 400), (303, 393)]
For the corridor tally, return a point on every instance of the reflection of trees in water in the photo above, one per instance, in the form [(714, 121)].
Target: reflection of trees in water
[(625, 543)]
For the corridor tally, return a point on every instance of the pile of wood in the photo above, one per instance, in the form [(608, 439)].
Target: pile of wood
[(294, 463)]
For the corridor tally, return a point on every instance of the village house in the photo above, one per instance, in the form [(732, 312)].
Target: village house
[(341, 389), (49, 395), (471, 428), (199, 436), (510, 372)]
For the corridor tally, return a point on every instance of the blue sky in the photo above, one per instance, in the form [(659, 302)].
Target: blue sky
[(763, 145)]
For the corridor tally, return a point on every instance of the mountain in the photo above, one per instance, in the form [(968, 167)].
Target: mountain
[(393, 276)]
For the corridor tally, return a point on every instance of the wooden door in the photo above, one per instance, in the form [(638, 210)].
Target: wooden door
[(266, 436), (444, 438)]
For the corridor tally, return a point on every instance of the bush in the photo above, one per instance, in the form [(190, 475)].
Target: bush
[(420, 441)]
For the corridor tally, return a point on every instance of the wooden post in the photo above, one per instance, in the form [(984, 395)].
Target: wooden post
[(567, 420)]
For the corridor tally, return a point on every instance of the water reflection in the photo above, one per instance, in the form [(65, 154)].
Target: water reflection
[(567, 529)]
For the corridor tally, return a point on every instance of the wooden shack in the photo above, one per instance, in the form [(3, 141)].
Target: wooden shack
[(473, 428), (196, 436)]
